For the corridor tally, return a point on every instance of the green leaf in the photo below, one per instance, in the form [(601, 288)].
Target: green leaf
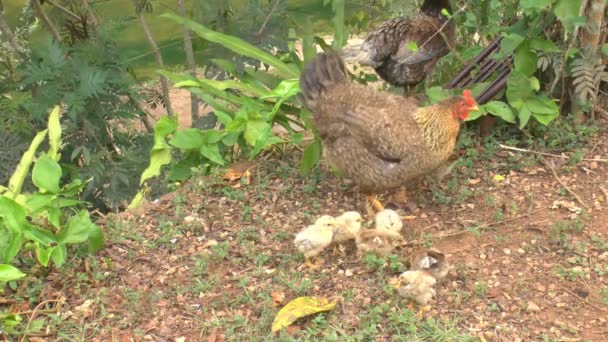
[(526, 60), (160, 155), (39, 235), (311, 156), (47, 174), (13, 247), (340, 34), (524, 117), (535, 5), (96, 241), (44, 254), (10, 273), (13, 215), (500, 109), (212, 136), (412, 46), (54, 134), (188, 139), (254, 130), (235, 44), (567, 12), (544, 45), (212, 152), (511, 42), (77, 229), (59, 255), (518, 89), (265, 140), (16, 181)]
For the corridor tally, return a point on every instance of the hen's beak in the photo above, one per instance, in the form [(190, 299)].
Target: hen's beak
[(475, 108)]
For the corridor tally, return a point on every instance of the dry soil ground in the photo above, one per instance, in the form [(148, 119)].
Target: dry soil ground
[(214, 260)]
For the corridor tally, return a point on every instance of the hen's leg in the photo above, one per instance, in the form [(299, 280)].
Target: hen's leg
[(408, 91), (372, 203)]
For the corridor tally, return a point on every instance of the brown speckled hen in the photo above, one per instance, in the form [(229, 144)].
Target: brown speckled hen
[(379, 140), (390, 49)]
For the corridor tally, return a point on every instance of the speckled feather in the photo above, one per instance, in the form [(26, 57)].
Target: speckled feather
[(379, 140), (387, 48)]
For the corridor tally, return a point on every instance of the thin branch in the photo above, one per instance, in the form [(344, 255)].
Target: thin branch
[(64, 10), (8, 33), (276, 3), (45, 19), (564, 185), (90, 13), (512, 148)]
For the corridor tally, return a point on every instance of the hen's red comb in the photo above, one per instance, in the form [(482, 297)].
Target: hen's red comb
[(468, 97)]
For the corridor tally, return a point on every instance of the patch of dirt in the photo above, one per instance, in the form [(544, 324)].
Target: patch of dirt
[(198, 261)]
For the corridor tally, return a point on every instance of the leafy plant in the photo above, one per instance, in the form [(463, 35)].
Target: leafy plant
[(45, 222)]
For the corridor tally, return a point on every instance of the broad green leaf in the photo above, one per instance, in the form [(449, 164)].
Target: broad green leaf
[(137, 200), (43, 254), (212, 136), (183, 169), (298, 308), (38, 201), (511, 42), (54, 134), (13, 215), (13, 247), (535, 5), (160, 155), (544, 45), (54, 216), (10, 273), (212, 152), (526, 60), (567, 12), (235, 44), (16, 181), (412, 46), (287, 88), (518, 89), (524, 117), (59, 255), (437, 94), (77, 229), (254, 130), (500, 109), (39, 235), (265, 140), (311, 156), (188, 139), (96, 241), (47, 174)]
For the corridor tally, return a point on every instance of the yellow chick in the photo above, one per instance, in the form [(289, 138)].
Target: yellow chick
[(432, 261), (383, 239), (389, 219), (419, 286), (348, 226), (313, 239)]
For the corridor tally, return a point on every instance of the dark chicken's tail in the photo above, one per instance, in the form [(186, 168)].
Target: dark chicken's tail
[(325, 70)]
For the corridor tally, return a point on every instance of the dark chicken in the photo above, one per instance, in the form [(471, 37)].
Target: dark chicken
[(390, 48), (379, 140)]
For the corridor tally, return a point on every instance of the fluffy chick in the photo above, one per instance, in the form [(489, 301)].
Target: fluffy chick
[(313, 239), (432, 261), (389, 219), (385, 236), (418, 286), (348, 226)]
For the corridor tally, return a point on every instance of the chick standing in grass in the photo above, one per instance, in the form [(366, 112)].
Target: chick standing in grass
[(385, 236), (348, 226), (418, 286), (313, 239)]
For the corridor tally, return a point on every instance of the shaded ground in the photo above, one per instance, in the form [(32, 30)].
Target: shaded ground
[(214, 261)]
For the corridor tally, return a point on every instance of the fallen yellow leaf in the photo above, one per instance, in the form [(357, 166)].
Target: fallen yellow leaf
[(498, 178), (300, 307)]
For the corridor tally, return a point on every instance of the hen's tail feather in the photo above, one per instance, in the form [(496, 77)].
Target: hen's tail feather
[(325, 70), (359, 53)]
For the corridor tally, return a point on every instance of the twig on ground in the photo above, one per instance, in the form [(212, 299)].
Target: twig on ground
[(37, 310), (512, 148), (565, 186)]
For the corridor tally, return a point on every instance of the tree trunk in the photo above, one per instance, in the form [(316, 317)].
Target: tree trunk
[(164, 83), (590, 42), (189, 60), (45, 19), (8, 33)]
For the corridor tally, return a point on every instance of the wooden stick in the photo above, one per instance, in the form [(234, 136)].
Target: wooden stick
[(565, 186), (512, 148)]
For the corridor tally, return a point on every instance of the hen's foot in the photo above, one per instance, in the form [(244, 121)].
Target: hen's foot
[(311, 264), (400, 199), (420, 311)]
